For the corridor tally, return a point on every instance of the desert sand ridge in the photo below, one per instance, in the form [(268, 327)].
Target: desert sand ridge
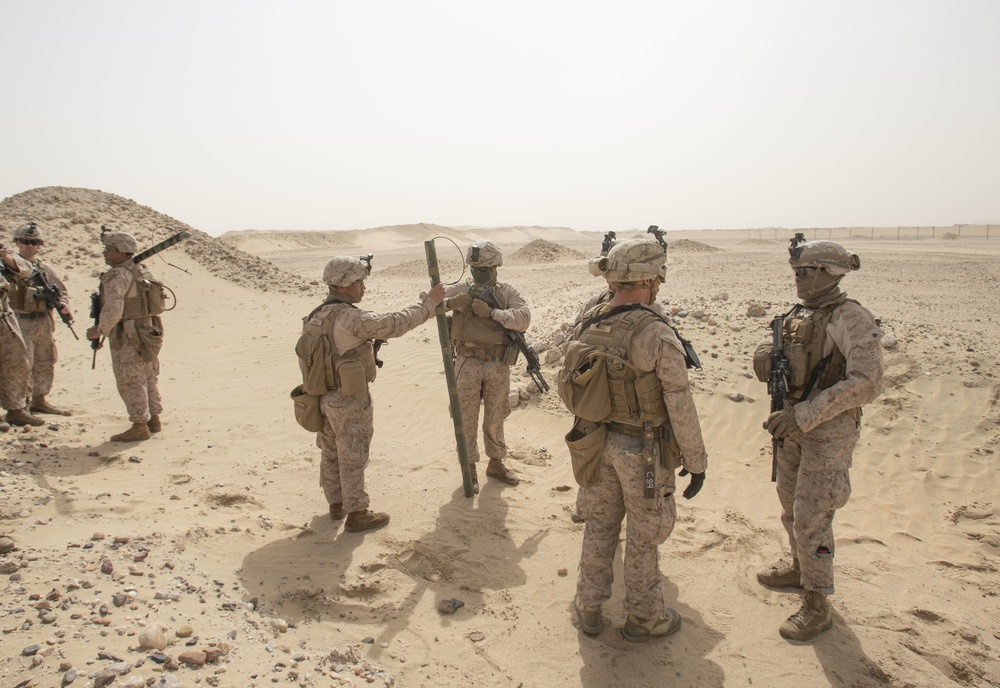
[(218, 530)]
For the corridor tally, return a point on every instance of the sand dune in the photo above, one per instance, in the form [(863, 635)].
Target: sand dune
[(218, 524)]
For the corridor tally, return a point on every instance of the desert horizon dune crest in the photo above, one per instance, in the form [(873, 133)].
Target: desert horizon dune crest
[(218, 530)]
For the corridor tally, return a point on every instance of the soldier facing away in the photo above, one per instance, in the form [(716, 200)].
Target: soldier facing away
[(14, 368), (650, 400), (130, 308), (348, 417), (835, 359), (36, 318), (484, 310)]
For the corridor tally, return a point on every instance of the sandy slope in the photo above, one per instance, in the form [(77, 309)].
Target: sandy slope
[(226, 505)]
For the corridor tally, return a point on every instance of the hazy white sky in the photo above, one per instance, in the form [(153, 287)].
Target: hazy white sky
[(293, 114)]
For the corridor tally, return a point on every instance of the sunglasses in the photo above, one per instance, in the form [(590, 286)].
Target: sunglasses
[(29, 242), (805, 272)]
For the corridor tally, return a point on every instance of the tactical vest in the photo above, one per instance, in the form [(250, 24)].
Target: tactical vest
[(323, 369), (480, 337), (22, 296), (636, 397), (144, 296), (803, 340)]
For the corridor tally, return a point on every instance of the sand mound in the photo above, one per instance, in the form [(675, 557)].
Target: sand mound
[(689, 246), (71, 221), (542, 251)]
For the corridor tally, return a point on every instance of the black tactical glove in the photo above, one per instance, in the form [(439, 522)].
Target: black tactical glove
[(694, 487)]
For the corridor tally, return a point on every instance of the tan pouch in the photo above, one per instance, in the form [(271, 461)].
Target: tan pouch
[(307, 410), (352, 377), (670, 451), (762, 361), (586, 443)]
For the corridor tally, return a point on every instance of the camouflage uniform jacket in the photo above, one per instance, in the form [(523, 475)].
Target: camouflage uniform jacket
[(852, 330)]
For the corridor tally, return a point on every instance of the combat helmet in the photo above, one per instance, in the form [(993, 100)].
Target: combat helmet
[(824, 254), (634, 260), (29, 231), (484, 254), (343, 271), (120, 241)]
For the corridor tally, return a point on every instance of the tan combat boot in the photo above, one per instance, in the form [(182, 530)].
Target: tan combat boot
[(781, 574), (367, 519), (137, 433), (814, 617), (638, 630), (337, 511), (40, 405), (22, 417), (154, 424), (591, 621), (497, 470)]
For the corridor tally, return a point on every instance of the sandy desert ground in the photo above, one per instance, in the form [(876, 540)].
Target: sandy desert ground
[(216, 533)]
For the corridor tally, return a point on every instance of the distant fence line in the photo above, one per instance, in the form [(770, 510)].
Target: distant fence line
[(900, 232)]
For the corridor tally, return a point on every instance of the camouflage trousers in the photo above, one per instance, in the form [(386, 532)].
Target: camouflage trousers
[(39, 339), (344, 439), (814, 481), (137, 383), (14, 369), (491, 380), (617, 493)]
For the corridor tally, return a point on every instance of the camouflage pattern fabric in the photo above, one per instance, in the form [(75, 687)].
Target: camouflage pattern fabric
[(39, 340), (617, 493), (493, 378), (137, 383), (344, 440), (14, 369), (813, 478)]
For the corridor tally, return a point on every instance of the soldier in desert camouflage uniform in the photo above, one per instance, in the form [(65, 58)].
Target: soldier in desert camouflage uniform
[(657, 357), (484, 355), (37, 320), (14, 369), (135, 336), (348, 423), (834, 341)]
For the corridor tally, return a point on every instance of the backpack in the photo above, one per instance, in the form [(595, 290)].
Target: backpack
[(314, 349)]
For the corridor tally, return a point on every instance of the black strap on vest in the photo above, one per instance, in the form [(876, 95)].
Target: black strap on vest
[(817, 371)]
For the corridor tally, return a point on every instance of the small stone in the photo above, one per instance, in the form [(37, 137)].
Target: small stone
[(756, 310), (712, 330), (107, 566), (153, 637), (889, 342), (9, 566), (450, 606), (119, 599), (97, 536), (184, 632), (134, 459), (368, 640), (476, 636), (6, 545), (562, 571), (30, 650), (192, 657), (736, 396)]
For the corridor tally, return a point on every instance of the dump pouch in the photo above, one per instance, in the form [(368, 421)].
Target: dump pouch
[(307, 410), (586, 444)]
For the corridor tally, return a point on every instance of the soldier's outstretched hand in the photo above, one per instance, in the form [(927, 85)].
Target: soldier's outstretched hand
[(436, 293), (460, 301)]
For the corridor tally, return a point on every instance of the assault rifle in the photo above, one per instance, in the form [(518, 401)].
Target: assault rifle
[(534, 368), (376, 343), (777, 385), (51, 294)]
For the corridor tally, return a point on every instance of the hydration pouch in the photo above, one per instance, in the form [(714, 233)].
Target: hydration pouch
[(352, 377)]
